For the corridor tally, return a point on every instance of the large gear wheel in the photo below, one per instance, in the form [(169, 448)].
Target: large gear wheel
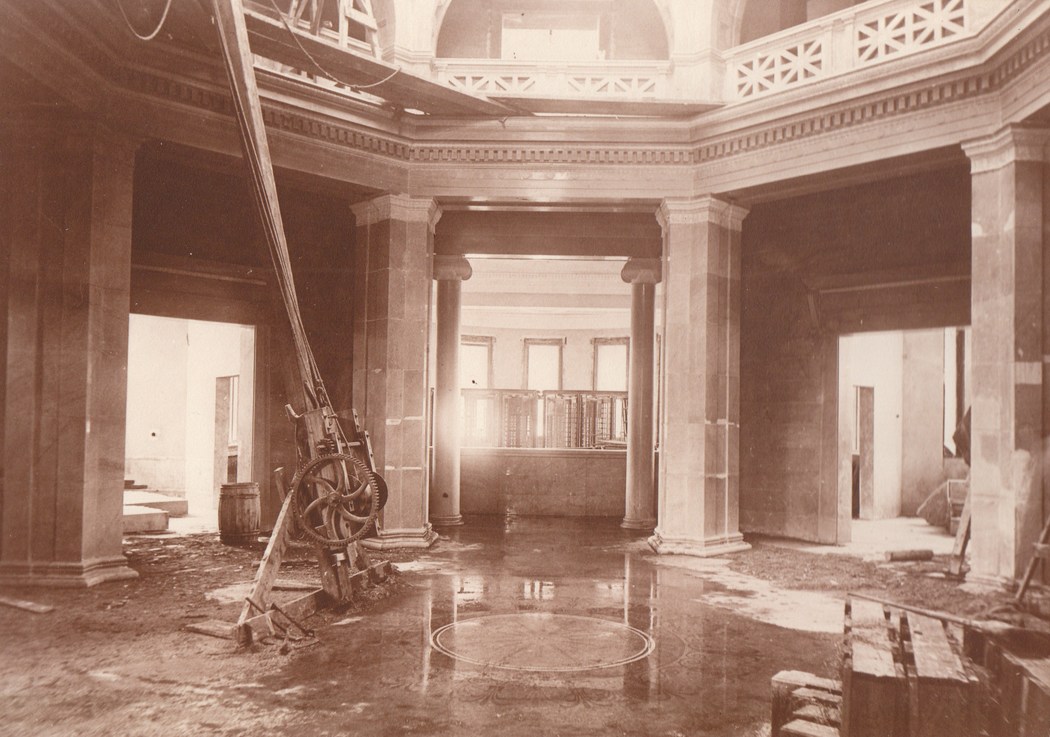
[(337, 498)]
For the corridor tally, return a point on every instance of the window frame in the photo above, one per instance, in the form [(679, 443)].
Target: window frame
[(596, 344), (489, 341), (526, 344)]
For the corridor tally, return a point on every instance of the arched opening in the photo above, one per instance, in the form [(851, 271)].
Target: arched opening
[(546, 30), (765, 17)]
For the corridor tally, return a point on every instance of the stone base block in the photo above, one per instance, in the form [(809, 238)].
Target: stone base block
[(698, 548), (173, 505), (393, 539), (638, 524), (144, 519), (447, 521), (66, 575)]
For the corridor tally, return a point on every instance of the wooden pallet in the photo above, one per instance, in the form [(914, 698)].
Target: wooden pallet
[(805, 705)]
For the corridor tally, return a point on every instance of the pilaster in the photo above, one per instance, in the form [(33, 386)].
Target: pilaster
[(700, 439), (65, 273), (1011, 343), (393, 244)]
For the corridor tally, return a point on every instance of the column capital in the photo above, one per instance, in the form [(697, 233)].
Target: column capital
[(642, 271), (397, 207), (452, 268), (1007, 145), (705, 209)]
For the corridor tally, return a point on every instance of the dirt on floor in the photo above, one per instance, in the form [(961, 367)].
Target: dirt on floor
[(184, 579), (919, 584), (119, 632)]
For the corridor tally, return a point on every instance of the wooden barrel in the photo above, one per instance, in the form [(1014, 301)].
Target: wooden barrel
[(239, 513)]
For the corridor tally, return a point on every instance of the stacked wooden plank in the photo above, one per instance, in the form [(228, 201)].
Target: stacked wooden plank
[(941, 687), (903, 675), (874, 688)]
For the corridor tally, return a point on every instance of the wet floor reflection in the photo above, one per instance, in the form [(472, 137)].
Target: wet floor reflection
[(708, 671)]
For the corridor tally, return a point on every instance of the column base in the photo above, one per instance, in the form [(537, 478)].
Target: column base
[(990, 583), (698, 548), (451, 521), (638, 524), (67, 574), (392, 539)]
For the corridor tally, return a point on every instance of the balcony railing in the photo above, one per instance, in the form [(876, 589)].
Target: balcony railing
[(513, 418), (859, 37), (612, 80)]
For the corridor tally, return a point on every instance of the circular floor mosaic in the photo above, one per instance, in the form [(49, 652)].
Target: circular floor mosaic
[(536, 641)]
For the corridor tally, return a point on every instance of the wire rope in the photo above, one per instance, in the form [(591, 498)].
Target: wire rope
[(317, 64), (131, 27)]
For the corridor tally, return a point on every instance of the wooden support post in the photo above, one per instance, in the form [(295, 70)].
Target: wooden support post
[(962, 538), (266, 575)]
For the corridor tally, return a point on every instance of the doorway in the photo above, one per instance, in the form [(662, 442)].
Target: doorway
[(905, 392), (190, 410)]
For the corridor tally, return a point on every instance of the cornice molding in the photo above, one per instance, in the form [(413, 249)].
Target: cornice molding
[(1006, 146), (983, 78), (397, 207), (554, 154), (700, 210)]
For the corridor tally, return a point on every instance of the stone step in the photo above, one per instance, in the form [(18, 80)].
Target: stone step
[(173, 505), (802, 728), (144, 519)]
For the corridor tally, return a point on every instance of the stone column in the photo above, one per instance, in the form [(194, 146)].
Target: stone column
[(65, 276), (1010, 347), (700, 438), (643, 276), (449, 272), (393, 244)]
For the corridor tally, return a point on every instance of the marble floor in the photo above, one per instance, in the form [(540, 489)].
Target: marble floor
[(549, 627)]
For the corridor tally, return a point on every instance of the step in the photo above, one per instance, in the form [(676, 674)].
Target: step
[(802, 728), (173, 505), (144, 519), (130, 484)]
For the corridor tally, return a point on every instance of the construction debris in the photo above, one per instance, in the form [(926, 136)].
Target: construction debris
[(29, 606)]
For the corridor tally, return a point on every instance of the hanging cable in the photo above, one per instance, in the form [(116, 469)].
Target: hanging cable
[(249, 118), (317, 64), (139, 36)]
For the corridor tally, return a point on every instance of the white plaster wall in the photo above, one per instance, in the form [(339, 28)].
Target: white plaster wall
[(923, 412), (170, 436), (155, 434), (214, 350), (876, 360)]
